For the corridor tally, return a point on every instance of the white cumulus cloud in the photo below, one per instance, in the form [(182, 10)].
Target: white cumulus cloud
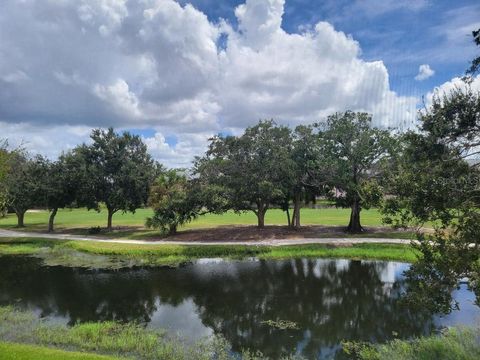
[(454, 84), (424, 72), (155, 64)]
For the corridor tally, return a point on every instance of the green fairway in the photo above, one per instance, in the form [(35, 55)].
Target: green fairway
[(81, 218)]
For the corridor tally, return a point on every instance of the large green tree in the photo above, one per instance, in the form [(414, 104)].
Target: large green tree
[(120, 171), (437, 180), (25, 182), (250, 169), (66, 184), (303, 176), (352, 156)]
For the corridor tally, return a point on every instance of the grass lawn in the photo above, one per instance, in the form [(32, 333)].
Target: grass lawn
[(117, 255), (12, 351), (81, 218)]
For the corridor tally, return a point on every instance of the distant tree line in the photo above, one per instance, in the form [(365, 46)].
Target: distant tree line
[(268, 166), (273, 166)]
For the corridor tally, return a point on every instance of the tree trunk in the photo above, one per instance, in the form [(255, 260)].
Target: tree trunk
[(354, 225), (109, 220), (261, 220), (51, 219), (20, 218), (294, 214), (172, 229), (261, 210), (296, 211), (288, 216)]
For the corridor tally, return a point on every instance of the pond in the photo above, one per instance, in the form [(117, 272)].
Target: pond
[(328, 300)]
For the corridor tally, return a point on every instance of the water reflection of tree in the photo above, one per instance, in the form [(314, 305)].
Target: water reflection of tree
[(329, 300), (75, 294), (329, 304)]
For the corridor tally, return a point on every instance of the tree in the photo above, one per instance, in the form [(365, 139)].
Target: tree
[(250, 169), (352, 152), (4, 155), (302, 175), (475, 66), (173, 200), (437, 179), (66, 183), (25, 183), (4, 169), (120, 171), (432, 181)]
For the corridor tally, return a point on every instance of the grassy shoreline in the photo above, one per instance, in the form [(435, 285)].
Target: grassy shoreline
[(459, 343), (113, 339), (15, 351), (118, 255), (24, 336)]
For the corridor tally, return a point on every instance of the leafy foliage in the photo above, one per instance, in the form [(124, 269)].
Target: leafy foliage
[(120, 171), (353, 153), (25, 183), (252, 170), (432, 182), (4, 168), (475, 66), (173, 201)]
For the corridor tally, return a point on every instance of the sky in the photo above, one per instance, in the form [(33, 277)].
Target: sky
[(178, 72)]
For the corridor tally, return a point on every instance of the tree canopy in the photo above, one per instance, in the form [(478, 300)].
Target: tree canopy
[(436, 180), (251, 169), (119, 169), (352, 154), (173, 200), (24, 182)]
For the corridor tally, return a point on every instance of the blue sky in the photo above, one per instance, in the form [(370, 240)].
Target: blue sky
[(178, 72)]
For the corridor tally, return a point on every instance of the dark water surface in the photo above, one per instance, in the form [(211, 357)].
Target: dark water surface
[(329, 300)]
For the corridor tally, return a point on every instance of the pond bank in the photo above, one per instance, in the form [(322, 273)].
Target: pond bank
[(117, 340), (114, 255)]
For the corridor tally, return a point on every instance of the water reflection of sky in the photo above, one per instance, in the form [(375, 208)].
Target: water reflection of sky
[(469, 313), (182, 319)]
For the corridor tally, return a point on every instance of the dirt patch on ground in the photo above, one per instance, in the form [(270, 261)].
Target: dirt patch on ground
[(231, 233), (252, 233)]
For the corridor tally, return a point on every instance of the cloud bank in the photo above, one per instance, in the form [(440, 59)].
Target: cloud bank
[(67, 66)]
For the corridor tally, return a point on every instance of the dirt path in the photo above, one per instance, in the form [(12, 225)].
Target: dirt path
[(269, 242)]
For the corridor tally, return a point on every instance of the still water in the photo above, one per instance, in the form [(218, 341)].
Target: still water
[(329, 300)]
